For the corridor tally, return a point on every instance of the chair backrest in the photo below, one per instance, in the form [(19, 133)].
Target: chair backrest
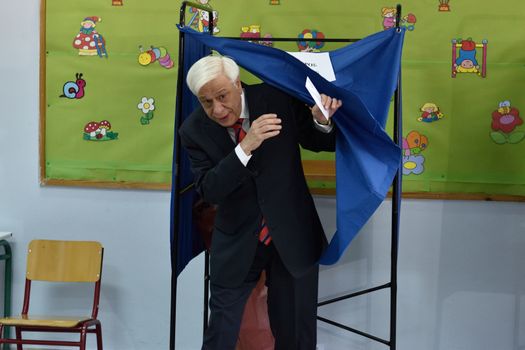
[(64, 261)]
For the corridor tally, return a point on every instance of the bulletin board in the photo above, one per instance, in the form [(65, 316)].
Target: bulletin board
[(462, 107), (462, 71), (108, 80)]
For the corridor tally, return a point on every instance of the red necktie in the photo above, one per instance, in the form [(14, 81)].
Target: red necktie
[(264, 234), (239, 131)]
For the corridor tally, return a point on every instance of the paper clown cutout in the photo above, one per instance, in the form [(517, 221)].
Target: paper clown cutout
[(465, 58), (88, 41), (389, 19), (200, 19), (430, 113)]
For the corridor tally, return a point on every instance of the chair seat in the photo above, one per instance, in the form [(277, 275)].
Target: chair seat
[(44, 321)]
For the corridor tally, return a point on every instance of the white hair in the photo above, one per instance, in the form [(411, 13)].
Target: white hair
[(208, 68)]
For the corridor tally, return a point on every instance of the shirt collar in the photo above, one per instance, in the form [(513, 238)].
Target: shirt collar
[(244, 109)]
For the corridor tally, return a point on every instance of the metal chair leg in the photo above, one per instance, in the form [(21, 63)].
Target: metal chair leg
[(98, 332), (83, 334), (18, 333)]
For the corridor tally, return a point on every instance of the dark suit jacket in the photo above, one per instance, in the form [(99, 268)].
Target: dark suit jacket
[(272, 185)]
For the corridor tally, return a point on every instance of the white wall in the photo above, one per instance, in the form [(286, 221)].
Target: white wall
[(132, 225), (461, 275), (461, 279)]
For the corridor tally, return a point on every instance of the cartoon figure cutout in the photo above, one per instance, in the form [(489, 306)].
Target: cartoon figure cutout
[(430, 113), (310, 45), (204, 21), (413, 145), (147, 106), (99, 131), (443, 6), (74, 89), (155, 54), (88, 41), (200, 19), (253, 31), (389, 17), (409, 22), (505, 120), (466, 61)]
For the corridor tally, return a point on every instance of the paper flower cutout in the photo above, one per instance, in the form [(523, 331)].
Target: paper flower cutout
[(413, 144), (504, 122), (506, 118), (413, 165), (147, 107)]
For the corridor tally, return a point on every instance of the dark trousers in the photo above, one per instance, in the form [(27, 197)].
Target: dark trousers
[(292, 305)]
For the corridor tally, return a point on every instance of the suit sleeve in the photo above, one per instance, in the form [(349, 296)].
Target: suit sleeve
[(214, 183), (310, 137)]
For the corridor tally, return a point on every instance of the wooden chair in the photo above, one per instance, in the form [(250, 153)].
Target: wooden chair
[(59, 261)]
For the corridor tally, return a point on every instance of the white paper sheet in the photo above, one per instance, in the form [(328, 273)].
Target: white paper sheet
[(316, 96), (317, 61)]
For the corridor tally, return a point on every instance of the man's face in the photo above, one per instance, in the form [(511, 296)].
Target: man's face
[(221, 100)]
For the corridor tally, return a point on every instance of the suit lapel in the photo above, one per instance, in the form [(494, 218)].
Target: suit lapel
[(255, 104), (218, 134)]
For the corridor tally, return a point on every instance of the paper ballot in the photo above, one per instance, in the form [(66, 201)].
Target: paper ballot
[(317, 61), (316, 96)]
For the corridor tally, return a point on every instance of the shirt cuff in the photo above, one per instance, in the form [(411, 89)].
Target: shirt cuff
[(242, 156), (324, 128)]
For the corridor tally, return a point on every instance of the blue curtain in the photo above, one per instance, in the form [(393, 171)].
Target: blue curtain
[(366, 77), (188, 243)]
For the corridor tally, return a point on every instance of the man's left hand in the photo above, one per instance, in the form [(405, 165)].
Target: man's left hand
[(331, 104)]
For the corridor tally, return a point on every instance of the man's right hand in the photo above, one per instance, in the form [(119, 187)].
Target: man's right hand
[(264, 127)]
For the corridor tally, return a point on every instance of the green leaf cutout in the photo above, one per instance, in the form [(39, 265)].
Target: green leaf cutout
[(516, 137), (498, 137)]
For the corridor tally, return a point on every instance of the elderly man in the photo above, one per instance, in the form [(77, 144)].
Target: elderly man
[(243, 143)]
